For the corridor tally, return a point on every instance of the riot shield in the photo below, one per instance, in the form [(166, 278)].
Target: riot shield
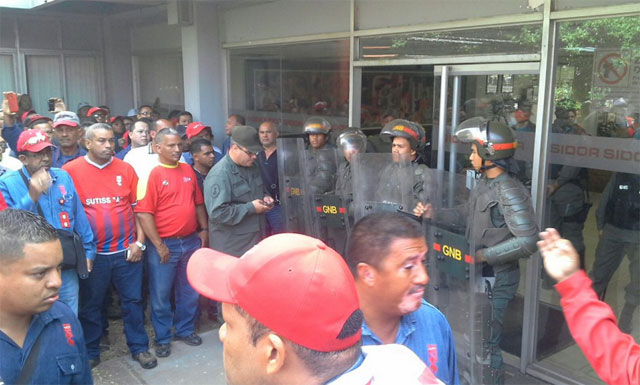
[(382, 184), (330, 220), (456, 286), (295, 197)]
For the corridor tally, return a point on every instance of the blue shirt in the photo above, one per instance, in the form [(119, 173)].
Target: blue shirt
[(11, 135), (269, 172), (60, 205), (63, 355), (226, 145), (426, 331), (121, 154), (58, 159), (188, 157)]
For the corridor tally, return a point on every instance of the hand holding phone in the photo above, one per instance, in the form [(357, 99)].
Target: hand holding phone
[(12, 102)]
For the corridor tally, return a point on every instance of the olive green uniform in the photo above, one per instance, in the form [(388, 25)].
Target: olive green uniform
[(229, 189)]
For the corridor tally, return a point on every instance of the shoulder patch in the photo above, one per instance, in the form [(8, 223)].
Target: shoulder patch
[(215, 190)]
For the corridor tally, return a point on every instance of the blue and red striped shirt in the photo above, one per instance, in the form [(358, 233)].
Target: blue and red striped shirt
[(107, 194)]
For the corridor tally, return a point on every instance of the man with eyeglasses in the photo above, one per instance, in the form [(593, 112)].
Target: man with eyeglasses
[(138, 135), (97, 114), (145, 111), (235, 196)]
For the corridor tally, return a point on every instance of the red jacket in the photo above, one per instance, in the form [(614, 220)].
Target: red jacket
[(614, 355)]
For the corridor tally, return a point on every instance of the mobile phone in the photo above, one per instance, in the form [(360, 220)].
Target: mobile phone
[(12, 99), (52, 104), (128, 255)]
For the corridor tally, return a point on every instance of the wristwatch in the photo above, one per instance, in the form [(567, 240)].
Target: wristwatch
[(141, 245)]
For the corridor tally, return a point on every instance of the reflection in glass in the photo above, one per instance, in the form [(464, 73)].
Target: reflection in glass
[(519, 39), (289, 83), (593, 190)]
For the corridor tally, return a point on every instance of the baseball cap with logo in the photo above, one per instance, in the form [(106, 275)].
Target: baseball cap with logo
[(195, 128), (66, 118), (33, 141), (247, 137), (35, 119), (291, 283)]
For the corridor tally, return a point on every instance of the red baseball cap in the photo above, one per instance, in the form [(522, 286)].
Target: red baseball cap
[(27, 113), (93, 110), (114, 118), (293, 284), (35, 119), (33, 141), (195, 128)]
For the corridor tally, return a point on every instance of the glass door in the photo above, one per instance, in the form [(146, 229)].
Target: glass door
[(506, 93)]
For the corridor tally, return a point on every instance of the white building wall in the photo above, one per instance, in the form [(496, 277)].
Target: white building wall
[(284, 18), (372, 14)]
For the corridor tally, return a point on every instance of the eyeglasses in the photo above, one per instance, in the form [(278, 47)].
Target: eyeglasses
[(145, 113), (247, 151)]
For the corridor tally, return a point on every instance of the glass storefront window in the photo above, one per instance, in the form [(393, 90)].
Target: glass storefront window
[(289, 83), (398, 92), (593, 190), (520, 39)]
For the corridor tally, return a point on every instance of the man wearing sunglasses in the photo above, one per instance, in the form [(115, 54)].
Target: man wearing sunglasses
[(235, 196)]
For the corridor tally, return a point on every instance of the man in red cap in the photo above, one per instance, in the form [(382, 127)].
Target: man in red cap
[(292, 316), (50, 192), (97, 114), (198, 130), (39, 122)]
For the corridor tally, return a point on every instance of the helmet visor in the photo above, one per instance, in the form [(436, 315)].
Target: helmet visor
[(472, 129)]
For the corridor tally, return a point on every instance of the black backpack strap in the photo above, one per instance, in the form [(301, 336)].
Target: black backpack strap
[(30, 364), (26, 182)]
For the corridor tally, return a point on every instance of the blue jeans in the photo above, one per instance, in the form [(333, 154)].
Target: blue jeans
[(163, 277), (69, 289), (127, 280), (275, 220)]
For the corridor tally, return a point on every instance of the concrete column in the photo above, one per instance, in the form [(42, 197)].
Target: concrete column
[(203, 61), (117, 66)]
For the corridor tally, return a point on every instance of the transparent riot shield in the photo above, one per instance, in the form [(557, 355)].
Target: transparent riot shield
[(330, 220), (456, 286), (295, 197), (382, 183)]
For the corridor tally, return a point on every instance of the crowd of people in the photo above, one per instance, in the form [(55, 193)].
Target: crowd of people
[(143, 203)]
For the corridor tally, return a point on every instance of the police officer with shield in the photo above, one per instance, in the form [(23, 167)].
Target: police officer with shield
[(351, 141), (500, 222), (319, 167), (407, 143)]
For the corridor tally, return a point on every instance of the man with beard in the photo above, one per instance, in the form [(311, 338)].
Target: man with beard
[(49, 191), (40, 338), (386, 254), (408, 140)]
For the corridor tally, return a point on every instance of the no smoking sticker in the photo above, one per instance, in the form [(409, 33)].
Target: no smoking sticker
[(612, 69)]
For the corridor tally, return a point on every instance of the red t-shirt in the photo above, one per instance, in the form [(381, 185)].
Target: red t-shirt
[(107, 195), (172, 195)]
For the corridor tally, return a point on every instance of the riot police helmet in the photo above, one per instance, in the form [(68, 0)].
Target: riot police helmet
[(317, 125), (352, 139), (494, 140), (402, 128)]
